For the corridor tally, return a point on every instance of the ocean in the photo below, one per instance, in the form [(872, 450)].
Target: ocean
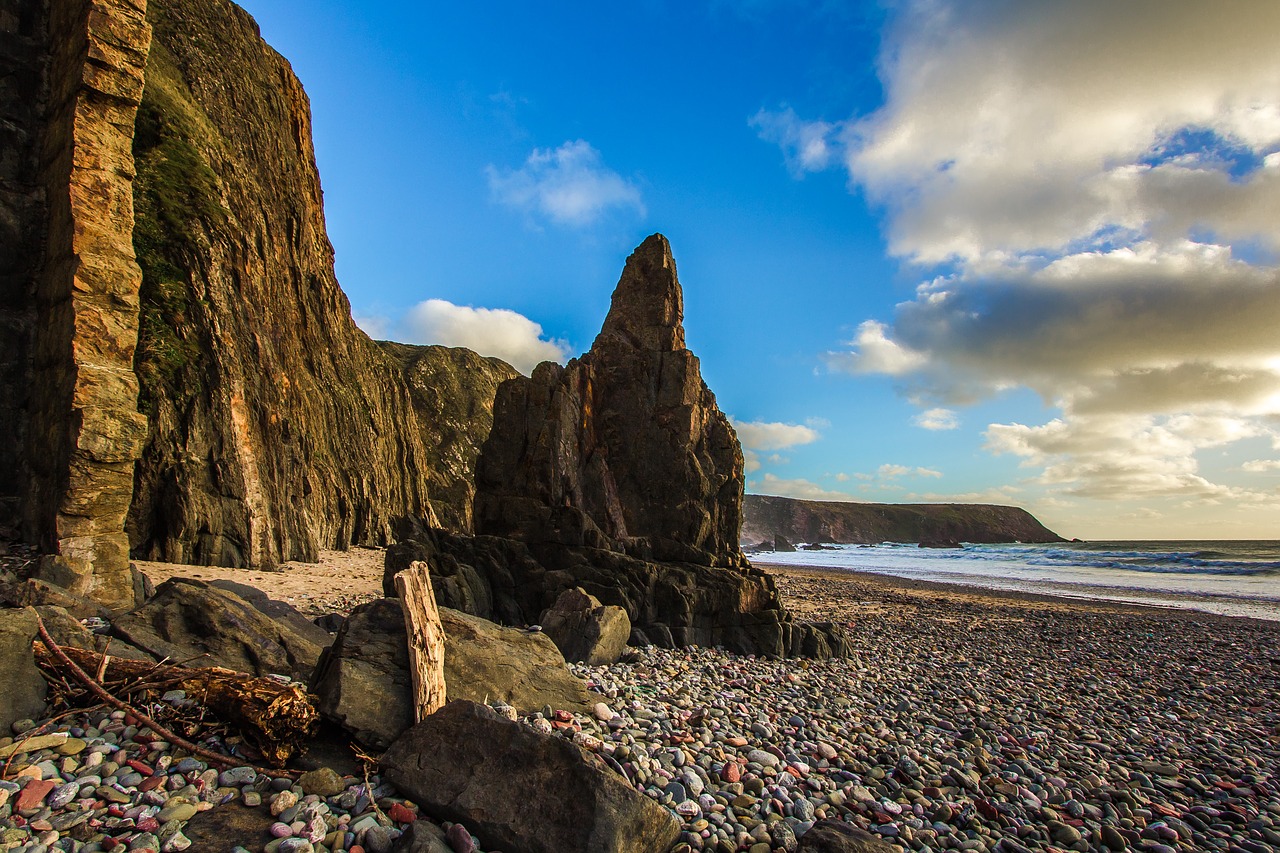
[(1233, 578)]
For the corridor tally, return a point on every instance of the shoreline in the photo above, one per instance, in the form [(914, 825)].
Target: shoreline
[(1100, 602)]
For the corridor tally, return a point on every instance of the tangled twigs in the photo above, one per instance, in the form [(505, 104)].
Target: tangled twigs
[(217, 759)]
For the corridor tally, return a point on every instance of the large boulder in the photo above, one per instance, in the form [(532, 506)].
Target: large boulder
[(518, 790), (23, 688), (189, 621), (363, 680), (586, 630)]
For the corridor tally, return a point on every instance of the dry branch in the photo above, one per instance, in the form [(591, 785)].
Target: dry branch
[(278, 719)]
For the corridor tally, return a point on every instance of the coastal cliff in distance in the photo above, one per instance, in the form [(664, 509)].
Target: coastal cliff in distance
[(766, 516)]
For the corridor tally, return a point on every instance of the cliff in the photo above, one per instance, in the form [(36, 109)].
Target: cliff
[(71, 77), (453, 391), (277, 428), (765, 517)]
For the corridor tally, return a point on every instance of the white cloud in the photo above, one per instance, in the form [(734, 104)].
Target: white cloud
[(891, 472), (937, 419), (1260, 466), (497, 332), (761, 435), (798, 488), (1095, 220), (806, 145), (569, 185)]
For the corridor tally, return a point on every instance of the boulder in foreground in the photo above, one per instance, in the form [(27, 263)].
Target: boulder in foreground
[(363, 680), (518, 790), (836, 836)]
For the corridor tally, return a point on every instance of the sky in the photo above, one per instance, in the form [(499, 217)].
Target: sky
[(1007, 251)]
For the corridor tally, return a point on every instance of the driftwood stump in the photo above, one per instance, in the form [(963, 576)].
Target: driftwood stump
[(426, 639)]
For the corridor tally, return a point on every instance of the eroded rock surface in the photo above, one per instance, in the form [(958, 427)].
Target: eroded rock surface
[(453, 390), (277, 427), (586, 630), (195, 624), (516, 789)]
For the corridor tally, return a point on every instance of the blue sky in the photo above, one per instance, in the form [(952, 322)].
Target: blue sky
[(1016, 252)]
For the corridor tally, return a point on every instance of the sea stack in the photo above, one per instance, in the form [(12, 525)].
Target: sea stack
[(623, 449)]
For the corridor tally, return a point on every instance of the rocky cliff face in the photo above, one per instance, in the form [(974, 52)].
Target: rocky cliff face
[(277, 427), (617, 474), (766, 517), (623, 449), (453, 390), (70, 80)]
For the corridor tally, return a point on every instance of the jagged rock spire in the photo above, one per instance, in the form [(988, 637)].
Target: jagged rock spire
[(647, 309)]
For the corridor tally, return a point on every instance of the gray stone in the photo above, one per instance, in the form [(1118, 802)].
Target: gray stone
[(586, 630), (363, 681), (467, 764), (23, 688), (422, 836)]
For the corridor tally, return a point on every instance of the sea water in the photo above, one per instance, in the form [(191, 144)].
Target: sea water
[(1235, 578)]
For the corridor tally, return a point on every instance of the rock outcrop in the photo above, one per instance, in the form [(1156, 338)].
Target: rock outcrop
[(193, 622), (23, 691), (71, 77), (516, 789), (624, 448), (585, 630), (363, 680), (767, 517), (453, 390), (277, 427), (618, 474)]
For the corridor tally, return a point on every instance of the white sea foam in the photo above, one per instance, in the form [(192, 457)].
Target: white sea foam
[(1229, 578)]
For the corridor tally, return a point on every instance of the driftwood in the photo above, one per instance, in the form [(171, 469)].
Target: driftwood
[(277, 719), (426, 639)]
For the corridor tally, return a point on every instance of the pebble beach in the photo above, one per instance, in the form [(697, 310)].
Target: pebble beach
[(967, 720)]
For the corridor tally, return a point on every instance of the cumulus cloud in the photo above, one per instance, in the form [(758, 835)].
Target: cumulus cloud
[(890, 471), (1261, 466), (761, 435), (1095, 219), (757, 436), (569, 185), (498, 332), (802, 489), (937, 419)]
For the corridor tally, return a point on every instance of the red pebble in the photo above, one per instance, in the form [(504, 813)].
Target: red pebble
[(34, 793), (148, 824), (152, 783), (731, 772), (401, 814), (140, 767)]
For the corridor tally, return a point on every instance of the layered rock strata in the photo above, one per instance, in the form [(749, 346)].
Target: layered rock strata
[(453, 390), (277, 427), (71, 78)]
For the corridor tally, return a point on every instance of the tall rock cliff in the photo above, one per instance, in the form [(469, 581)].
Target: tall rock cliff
[(623, 449), (70, 81), (277, 427), (453, 390), (765, 517)]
